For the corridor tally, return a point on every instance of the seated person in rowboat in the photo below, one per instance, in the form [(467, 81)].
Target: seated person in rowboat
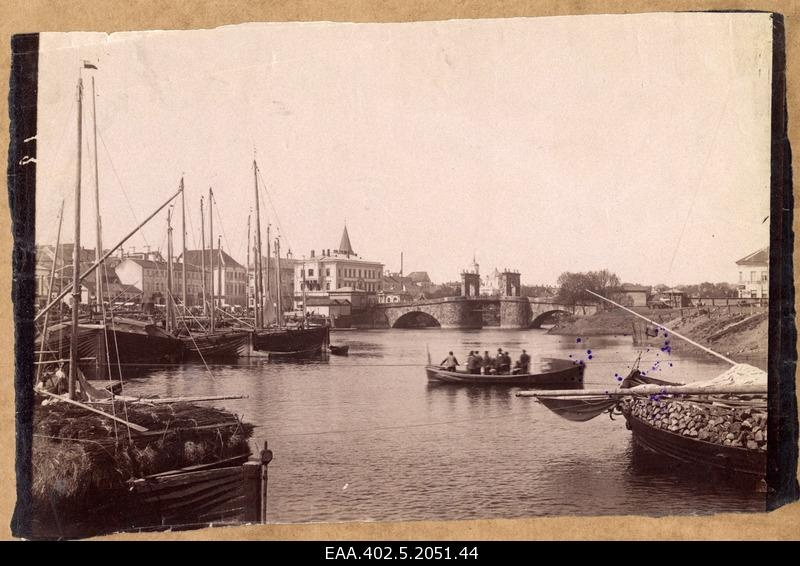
[(474, 363), (450, 362), (487, 363), (503, 363)]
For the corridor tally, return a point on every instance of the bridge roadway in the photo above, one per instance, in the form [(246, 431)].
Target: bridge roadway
[(467, 312)]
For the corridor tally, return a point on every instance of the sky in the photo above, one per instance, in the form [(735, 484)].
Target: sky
[(636, 143)]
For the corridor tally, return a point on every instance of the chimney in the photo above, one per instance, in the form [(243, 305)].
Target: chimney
[(401, 264), (312, 253)]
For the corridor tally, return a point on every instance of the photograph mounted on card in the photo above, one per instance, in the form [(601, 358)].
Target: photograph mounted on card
[(444, 270)]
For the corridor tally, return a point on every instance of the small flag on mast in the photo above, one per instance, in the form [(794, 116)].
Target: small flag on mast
[(88, 65)]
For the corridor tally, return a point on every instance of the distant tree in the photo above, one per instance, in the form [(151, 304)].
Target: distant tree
[(573, 287), (537, 290), (707, 289)]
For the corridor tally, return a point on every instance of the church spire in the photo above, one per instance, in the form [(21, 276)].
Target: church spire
[(344, 246)]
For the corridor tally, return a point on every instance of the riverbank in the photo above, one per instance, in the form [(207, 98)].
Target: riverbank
[(740, 333)]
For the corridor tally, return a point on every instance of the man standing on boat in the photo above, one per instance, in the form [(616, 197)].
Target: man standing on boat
[(487, 363), (525, 362), (450, 362)]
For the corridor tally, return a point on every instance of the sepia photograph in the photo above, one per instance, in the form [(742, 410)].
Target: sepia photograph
[(330, 272)]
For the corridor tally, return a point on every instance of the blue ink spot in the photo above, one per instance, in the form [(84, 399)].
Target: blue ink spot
[(590, 357), (577, 340), (619, 378)]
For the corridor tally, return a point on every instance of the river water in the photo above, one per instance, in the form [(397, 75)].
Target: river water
[(364, 437)]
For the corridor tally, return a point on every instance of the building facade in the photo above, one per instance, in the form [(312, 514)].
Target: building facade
[(150, 278), (753, 282), (322, 274), (634, 295), (230, 277)]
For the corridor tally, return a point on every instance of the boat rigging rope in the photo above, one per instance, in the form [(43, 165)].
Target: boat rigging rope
[(119, 368), (281, 231), (199, 353), (121, 186), (99, 298), (221, 223)]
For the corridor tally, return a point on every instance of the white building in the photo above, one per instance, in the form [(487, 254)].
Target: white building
[(753, 280), (324, 273)]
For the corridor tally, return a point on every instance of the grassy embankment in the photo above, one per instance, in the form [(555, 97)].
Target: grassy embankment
[(740, 333)]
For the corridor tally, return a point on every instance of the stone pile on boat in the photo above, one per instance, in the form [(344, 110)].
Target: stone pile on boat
[(728, 420), (742, 427)]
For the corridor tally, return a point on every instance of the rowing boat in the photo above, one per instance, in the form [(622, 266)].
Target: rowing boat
[(549, 372)]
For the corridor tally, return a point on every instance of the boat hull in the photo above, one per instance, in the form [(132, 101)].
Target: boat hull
[(570, 377), (122, 348), (217, 345), (728, 460), (291, 341)]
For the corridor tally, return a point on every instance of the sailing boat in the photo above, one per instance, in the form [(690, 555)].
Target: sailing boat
[(210, 343), (279, 341), (96, 346)]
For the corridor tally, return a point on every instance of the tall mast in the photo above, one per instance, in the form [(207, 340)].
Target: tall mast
[(219, 269), (259, 274), (247, 274), (170, 294), (267, 296), (183, 245), (99, 239), (211, 255), (278, 280), (304, 294), (203, 255), (76, 256)]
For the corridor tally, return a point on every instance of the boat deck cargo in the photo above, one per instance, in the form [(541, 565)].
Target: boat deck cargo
[(83, 463)]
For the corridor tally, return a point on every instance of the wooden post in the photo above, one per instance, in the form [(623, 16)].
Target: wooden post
[(254, 477), (251, 479), (266, 458)]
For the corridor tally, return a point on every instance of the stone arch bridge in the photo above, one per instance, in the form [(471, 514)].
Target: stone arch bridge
[(467, 312)]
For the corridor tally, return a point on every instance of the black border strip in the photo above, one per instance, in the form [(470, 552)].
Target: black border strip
[(22, 202), (782, 351)]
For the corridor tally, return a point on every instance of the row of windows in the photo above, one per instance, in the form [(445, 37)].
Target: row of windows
[(315, 286), (228, 274), (346, 272), (354, 272), (754, 277)]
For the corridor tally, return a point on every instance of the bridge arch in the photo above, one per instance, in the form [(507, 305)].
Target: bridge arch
[(543, 317), (416, 319)]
